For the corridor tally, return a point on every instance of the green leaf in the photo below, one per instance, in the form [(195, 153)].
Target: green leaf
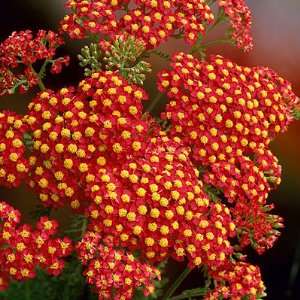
[(296, 114), (213, 193)]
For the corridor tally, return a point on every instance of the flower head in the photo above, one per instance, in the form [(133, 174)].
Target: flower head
[(223, 109), (58, 122), (155, 204), (13, 162), (114, 273), (20, 51), (74, 130), (228, 115), (151, 21), (240, 18), (236, 281), (24, 248)]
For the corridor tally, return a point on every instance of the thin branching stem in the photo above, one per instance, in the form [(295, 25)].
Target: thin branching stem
[(176, 284), (40, 81), (155, 101)]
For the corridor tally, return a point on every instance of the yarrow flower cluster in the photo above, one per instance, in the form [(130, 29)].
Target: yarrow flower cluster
[(114, 273), (13, 163), (75, 130), (240, 18), (24, 248), (189, 185), (57, 121), (155, 22), (237, 281), (229, 114), (98, 149), (245, 108), (246, 185), (20, 51), (155, 204), (151, 21)]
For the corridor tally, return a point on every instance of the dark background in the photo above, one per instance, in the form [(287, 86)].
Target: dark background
[(276, 27)]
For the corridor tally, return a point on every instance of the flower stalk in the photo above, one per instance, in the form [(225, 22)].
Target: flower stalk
[(172, 289)]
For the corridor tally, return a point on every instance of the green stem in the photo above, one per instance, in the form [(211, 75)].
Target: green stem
[(42, 71), (296, 113), (176, 284), (213, 26), (189, 294), (152, 105), (16, 86), (84, 226), (27, 290), (203, 47), (221, 41), (197, 45), (211, 2), (41, 85), (40, 82), (160, 54), (219, 20)]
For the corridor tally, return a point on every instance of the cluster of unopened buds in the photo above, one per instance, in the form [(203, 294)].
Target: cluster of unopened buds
[(191, 184)]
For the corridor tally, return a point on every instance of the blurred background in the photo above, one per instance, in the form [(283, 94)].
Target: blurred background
[(276, 26)]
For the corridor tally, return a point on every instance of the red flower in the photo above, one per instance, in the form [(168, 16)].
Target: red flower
[(225, 110), (240, 18), (58, 122), (20, 51), (236, 281), (75, 130), (229, 114), (151, 21), (155, 204), (24, 248), (13, 163), (114, 273)]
